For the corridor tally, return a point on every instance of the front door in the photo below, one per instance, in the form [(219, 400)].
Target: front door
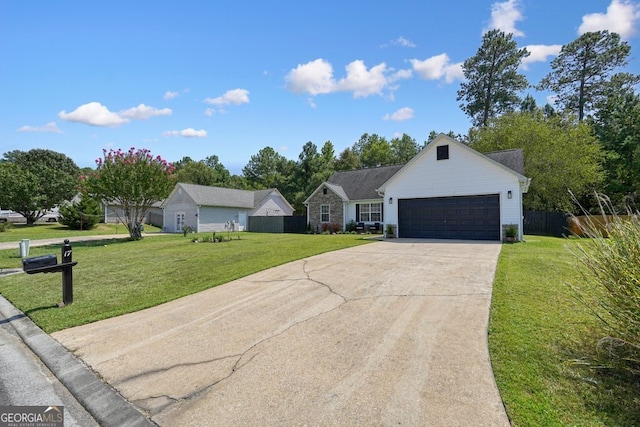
[(242, 220), (179, 221)]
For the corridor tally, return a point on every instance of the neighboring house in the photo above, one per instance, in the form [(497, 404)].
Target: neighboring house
[(447, 191), (206, 208), (153, 215)]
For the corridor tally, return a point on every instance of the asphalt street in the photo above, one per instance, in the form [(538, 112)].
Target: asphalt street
[(26, 381)]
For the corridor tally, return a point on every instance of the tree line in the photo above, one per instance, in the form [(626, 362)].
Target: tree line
[(587, 142)]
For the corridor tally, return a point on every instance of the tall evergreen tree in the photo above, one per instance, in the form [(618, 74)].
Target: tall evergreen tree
[(583, 68), (617, 126), (492, 79)]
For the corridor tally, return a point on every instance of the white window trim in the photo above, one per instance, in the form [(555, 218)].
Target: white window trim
[(370, 212), (328, 213), (182, 222)]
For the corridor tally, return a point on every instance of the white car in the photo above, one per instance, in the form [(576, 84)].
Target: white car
[(6, 215), (11, 216)]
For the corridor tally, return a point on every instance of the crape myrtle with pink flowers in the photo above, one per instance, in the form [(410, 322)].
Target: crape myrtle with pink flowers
[(130, 182)]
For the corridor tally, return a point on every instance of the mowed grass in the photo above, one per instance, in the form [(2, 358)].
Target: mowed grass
[(115, 277), (541, 341), (17, 232)]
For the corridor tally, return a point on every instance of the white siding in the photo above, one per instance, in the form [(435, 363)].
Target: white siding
[(180, 202), (110, 216), (215, 218), (272, 205), (350, 213), (464, 174)]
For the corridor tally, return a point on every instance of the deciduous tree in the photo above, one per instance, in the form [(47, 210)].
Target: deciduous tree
[(36, 181), (347, 160), (403, 149), (133, 181), (559, 155)]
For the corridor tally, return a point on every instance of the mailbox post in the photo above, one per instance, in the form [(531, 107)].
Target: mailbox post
[(67, 273), (49, 264)]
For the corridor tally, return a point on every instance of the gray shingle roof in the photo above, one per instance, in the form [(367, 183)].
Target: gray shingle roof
[(361, 184), (258, 195), (217, 196), (513, 159)]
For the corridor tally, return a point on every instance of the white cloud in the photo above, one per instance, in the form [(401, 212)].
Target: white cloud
[(170, 95), (540, 53), (50, 127), (187, 133), (363, 82), (96, 114), (438, 67), (504, 17), (93, 114), (400, 41), (453, 72), (620, 18), (230, 97), (402, 114), (314, 78), (401, 74), (431, 68), (144, 112)]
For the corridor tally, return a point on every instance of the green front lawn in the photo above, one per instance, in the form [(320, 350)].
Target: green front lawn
[(17, 232), (539, 337), (120, 276)]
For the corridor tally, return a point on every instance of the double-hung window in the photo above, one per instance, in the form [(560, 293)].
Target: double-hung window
[(324, 213), (369, 212)]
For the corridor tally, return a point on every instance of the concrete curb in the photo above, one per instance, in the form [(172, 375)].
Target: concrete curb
[(99, 399)]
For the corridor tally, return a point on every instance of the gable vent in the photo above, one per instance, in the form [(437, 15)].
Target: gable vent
[(442, 152)]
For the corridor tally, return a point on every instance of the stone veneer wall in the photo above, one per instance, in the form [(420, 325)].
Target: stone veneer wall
[(336, 210), (504, 231)]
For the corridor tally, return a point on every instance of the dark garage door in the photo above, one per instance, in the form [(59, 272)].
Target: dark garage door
[(464, 217)]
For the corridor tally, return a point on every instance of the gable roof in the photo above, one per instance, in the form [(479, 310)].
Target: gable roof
[(203, 195), (494, 158), (361, 184), (260, 195), (513, 158)]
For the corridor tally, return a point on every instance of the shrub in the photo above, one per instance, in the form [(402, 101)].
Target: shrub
[(611, 284), (84, 214), (4, 226), (186, 230), (351, 227)]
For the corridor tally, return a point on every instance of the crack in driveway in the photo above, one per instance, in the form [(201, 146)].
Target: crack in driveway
[(239, 357)]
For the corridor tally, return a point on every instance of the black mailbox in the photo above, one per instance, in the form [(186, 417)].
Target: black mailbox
[(49, 264), (38, 262)]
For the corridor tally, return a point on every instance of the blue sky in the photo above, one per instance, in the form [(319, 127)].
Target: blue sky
[(197, 78)]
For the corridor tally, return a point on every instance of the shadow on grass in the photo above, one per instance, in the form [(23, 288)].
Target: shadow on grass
[(44, 307), (89, 243)]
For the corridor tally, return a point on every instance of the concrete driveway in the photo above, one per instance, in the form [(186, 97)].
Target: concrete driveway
[(390, 333)]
